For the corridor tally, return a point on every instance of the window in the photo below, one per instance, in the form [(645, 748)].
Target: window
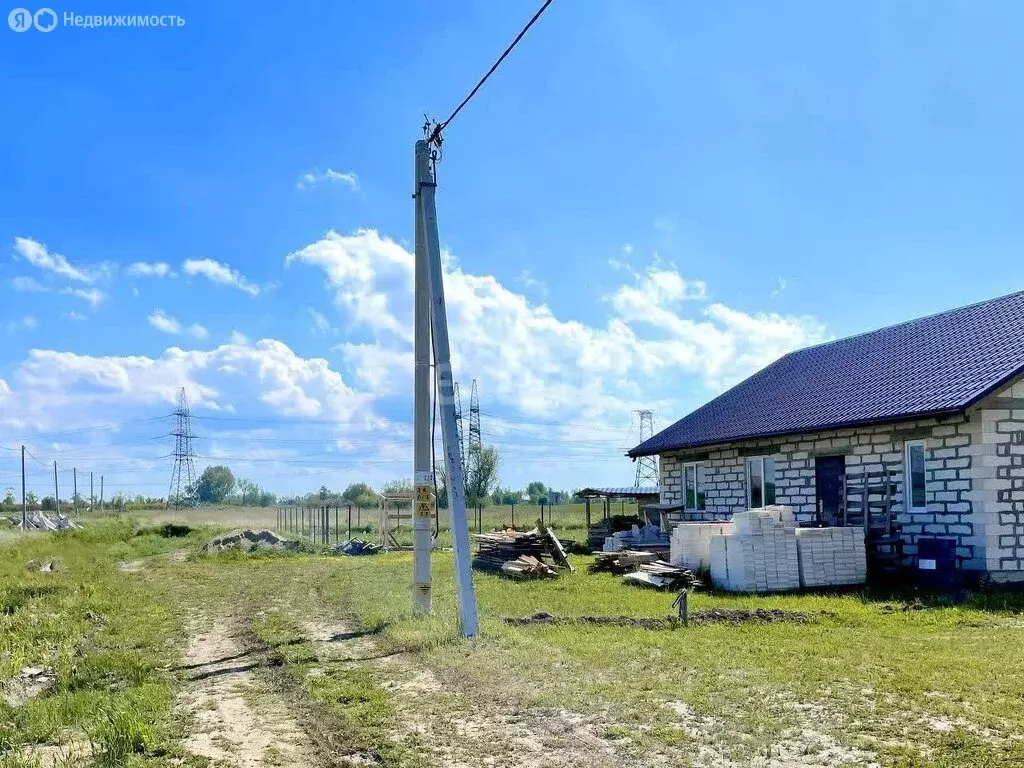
[(693, 486), (760, 481), (915, 491)]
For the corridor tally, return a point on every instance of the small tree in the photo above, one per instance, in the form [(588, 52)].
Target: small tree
[(215, 484), (482, 474), (536, 490), (360, 494)]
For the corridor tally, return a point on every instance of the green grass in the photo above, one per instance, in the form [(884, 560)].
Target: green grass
[(929, 688), (106, 637)]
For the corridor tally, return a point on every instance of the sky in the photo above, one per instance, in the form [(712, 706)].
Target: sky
[(645, 204)]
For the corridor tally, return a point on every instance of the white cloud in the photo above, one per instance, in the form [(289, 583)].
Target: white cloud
[(37, 254), (170, 324), (164, 322), (320, 323), (28, 284), (150, 269), (94, 296), (217, 272), (310, 179), (267, 372), (661, 333), (74, 315), (528, 281)]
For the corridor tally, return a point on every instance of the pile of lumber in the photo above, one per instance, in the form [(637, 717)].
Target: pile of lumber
[(520, 554), (528, 567), (621, 562), (661, 575)]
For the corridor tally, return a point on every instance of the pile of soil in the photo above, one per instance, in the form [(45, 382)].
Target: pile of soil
[(709, 616), (249, 539)]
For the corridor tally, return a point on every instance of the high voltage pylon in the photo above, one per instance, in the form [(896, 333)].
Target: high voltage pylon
[(458, 425), (183, 491), (474, 420), (646, 466)]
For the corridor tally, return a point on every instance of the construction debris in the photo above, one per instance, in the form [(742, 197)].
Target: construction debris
[(357, 547), (601, 530), (27, 684), (43, 566), (662, 575), (647, 537), (37, 521), (621, 562), (520, 554), (707, 616), (528, 567), (249, 539)]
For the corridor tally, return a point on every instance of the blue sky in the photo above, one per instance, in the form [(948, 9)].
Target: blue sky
[(646, 203)]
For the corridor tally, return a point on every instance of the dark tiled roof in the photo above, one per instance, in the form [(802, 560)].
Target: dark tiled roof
[(937, 364), (628, 492)]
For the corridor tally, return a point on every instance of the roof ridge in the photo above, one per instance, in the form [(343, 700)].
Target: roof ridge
[(910, 322)]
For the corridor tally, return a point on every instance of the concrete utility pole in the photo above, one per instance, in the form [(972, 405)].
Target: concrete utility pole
[(24, 500), (423, 473), (101, 493), (56, 490), (425, 189), (74, 479)]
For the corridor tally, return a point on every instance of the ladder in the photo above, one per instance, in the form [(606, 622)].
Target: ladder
[(867, 500)]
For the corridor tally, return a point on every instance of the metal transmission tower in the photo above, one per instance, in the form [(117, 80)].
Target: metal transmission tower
[(183, 491), (647, 466), (474, 420), (458, 426)]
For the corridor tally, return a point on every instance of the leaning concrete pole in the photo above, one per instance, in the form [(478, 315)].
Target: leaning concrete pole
[(446, 386), (423, 473)]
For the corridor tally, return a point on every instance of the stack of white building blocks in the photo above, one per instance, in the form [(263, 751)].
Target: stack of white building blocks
[(691, 544), (831, 556), (760, 556)]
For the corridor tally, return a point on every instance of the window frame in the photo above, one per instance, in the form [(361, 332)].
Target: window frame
[(908, 486), (764, 481), (695, 465)]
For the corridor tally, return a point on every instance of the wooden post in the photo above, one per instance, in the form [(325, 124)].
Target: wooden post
[(513, 514), (588, 512), (350, 522)]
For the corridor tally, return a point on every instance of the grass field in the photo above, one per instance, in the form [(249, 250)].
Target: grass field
[(164, 656), (568, 519)]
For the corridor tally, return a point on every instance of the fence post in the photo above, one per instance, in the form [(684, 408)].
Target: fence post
[(349, 522), (513, 514)]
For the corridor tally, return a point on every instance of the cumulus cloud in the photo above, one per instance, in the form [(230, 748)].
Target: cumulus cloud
[(662, 330), (310, 179), (94, 296), (217, 272), (150, 269), (198, 331), (38, 255), (230, 376)]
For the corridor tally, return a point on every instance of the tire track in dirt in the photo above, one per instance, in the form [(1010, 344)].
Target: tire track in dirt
[(235, 720)]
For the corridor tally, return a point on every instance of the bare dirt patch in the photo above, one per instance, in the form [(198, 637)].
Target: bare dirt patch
[(710, 616), (237, 722)]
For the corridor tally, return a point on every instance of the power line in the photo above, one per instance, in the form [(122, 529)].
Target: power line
[(435, 135)]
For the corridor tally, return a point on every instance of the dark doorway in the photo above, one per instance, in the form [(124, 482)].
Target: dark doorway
[(828, 473)]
